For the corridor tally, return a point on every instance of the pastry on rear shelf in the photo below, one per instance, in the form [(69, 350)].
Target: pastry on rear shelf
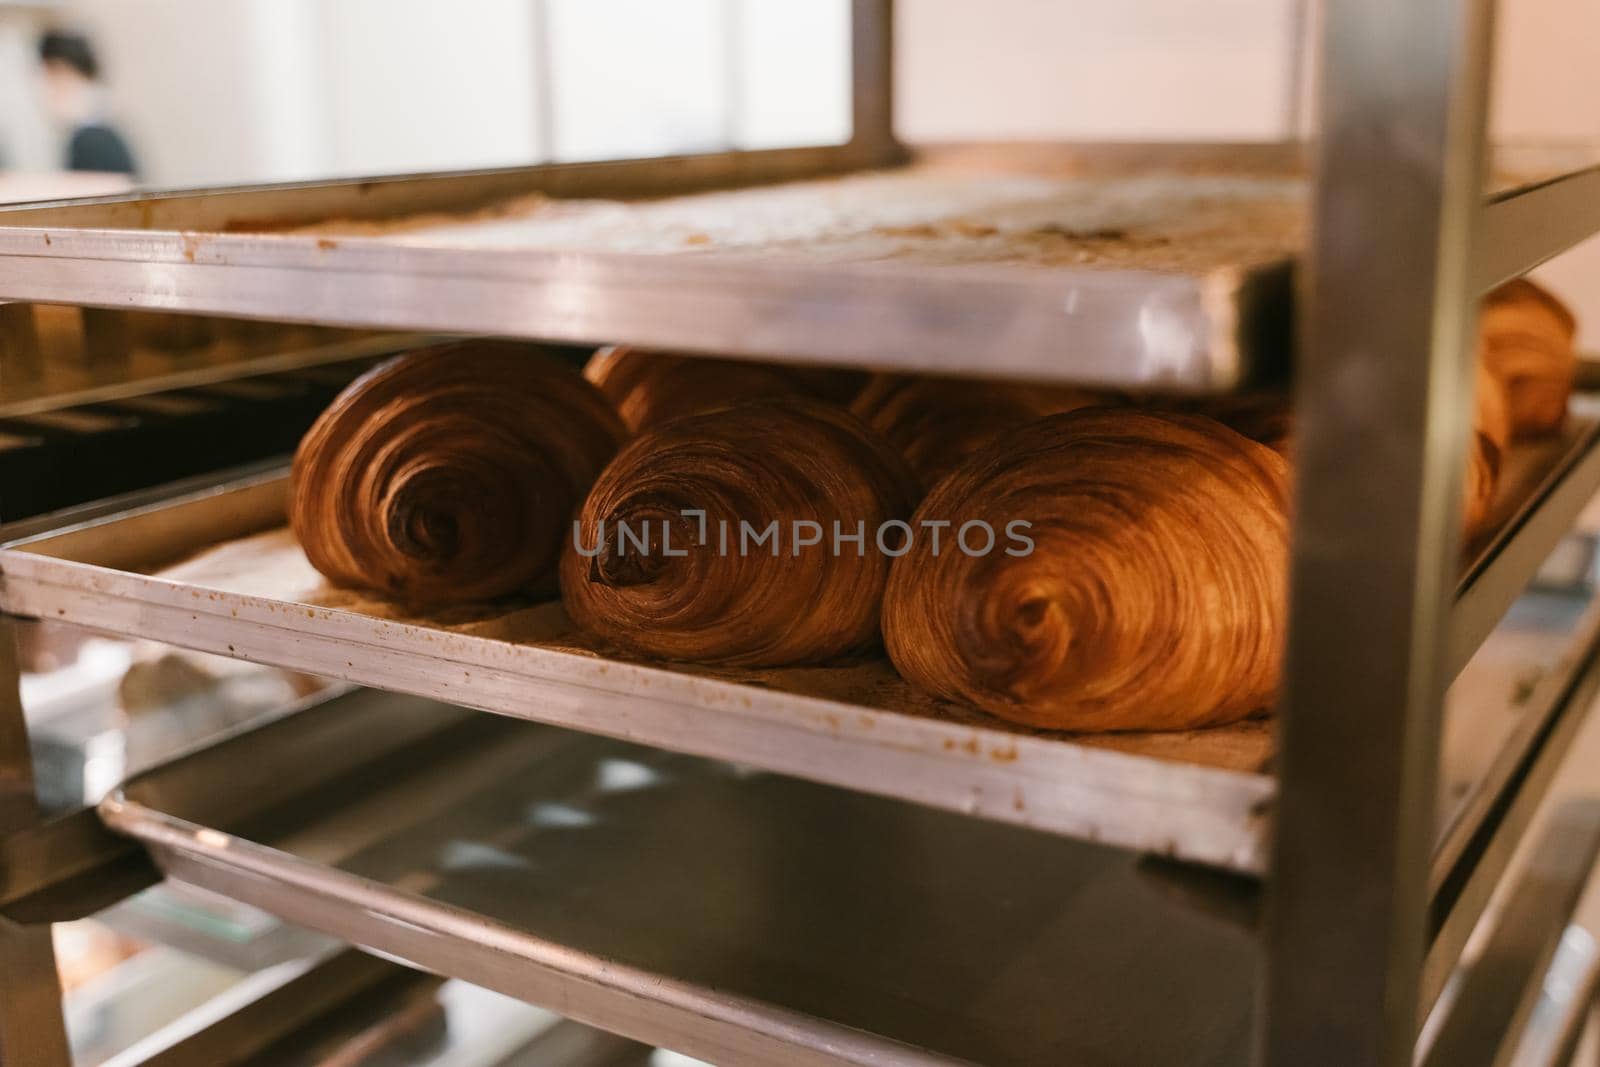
[(745, 537), (648, 387), (1527, 339), (451, 474), (936, 423), (1153, 595)]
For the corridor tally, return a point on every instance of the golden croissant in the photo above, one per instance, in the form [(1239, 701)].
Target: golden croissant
[(451, 474), (1527, 343), (936, 423), (1153, 597), (673, 554), (649, 388)]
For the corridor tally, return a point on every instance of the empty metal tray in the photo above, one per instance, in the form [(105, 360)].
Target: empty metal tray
[(732, 915)]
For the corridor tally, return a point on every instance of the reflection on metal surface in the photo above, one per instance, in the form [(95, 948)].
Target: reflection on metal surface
[(1565, 1001), (1500, 989)]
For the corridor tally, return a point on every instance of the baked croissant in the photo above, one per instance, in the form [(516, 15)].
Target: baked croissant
[(706, 587), (450, 474), (1527, 343), (936, 423), (1153, 597), (648, 387)]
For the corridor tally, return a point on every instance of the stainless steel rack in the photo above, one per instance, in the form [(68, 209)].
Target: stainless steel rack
[(1069, 264)]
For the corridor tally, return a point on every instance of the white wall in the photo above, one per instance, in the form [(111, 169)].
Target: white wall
[(223, 91), (794, 78), (186, 79), (1130, 70), (414, 86), (1547, 88), (228, 91), (26, 142)]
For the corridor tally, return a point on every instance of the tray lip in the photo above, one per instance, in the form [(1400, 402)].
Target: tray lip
[(375, 255), (105, 583), (1211, 328), (1144, 329), (1283, 158), (344, 895), (1205, 814)]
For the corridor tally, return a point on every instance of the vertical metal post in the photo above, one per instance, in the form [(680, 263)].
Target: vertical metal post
[(32, 1029), (872, 80), (1383, 392)]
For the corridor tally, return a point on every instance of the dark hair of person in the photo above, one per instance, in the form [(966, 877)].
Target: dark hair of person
[(73, 49)]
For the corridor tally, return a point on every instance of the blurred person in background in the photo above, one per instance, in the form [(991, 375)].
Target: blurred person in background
[(74, 97)]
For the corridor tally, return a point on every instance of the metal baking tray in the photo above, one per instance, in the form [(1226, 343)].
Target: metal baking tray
[(54, 357), (243, 588), (1126, 266), (217, 571), (728, 914)]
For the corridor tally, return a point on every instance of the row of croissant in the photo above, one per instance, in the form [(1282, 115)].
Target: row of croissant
[(1055, 557)]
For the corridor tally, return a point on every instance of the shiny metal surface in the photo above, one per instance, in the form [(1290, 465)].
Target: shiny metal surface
[(71, 866), (1500, 988), (139, 499), (67, 868), (732, 915), (243, 1023), (1523, 227), (1503, 570), (158, 372), (1568, 997), (1478, 844), (1214, 325), (1383, 391)]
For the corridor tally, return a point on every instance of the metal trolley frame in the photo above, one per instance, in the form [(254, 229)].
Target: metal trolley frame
[(1367, 911)]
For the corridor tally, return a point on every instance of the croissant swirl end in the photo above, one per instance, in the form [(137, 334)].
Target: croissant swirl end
[(671, 556), (1153, 598), (449, 474)]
